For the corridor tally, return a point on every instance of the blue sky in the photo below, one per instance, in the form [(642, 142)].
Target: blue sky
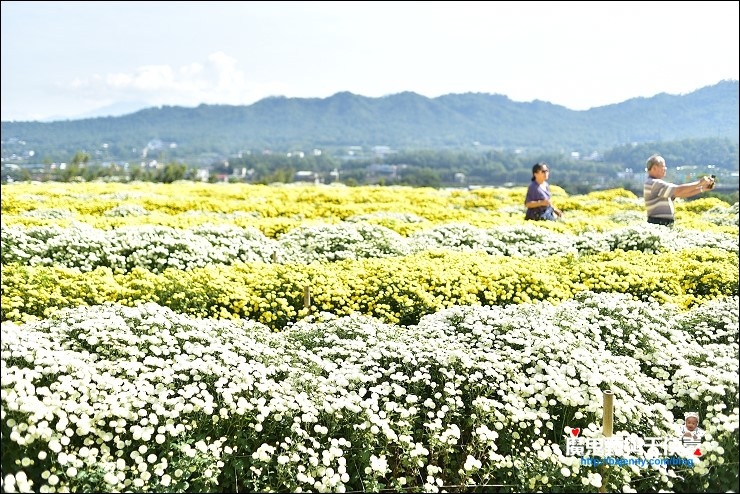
[(69, 59)]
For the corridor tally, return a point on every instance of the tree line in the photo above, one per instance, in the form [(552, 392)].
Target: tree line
[(620, 167)]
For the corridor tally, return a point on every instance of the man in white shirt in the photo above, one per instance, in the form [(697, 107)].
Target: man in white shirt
[(659, 194)]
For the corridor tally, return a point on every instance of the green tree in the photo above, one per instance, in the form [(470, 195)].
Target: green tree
[(171, 172)]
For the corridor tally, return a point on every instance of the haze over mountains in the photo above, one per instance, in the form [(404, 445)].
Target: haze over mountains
[(118, 109), (403, 121)]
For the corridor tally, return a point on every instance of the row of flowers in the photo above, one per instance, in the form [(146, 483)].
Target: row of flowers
[(280, 200), (157, 248), (396, 290), (112, 398), (275, 210)]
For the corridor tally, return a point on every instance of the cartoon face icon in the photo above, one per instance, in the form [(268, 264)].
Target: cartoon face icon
[(691, 423)]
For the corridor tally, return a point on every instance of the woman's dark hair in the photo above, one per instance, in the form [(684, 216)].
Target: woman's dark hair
[(537, 167)]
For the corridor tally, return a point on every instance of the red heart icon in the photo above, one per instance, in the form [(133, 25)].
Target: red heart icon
[(575, 431), (697, 452)]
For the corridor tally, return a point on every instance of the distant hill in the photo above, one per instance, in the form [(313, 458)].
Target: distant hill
[(401, 121), (114, 110)]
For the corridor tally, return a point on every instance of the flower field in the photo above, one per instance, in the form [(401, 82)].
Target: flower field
[(229, 337)]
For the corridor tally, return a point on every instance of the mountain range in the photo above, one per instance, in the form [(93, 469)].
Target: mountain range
[(401, 121)]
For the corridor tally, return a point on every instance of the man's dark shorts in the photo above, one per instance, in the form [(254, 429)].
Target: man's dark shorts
[(660, 221)]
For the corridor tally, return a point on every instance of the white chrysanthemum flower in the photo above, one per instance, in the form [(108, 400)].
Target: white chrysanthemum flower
[(472, 463), (379, 464), (110, 478)]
